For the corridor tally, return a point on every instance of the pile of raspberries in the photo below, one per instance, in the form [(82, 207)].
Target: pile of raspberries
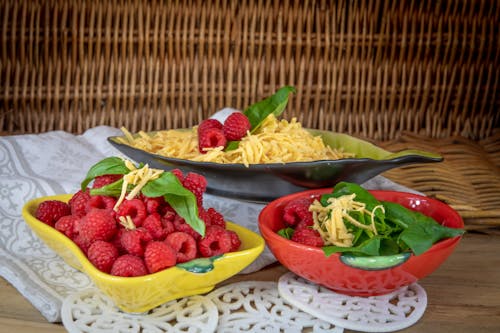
[(212, 133), (296, 215), (157, 239)]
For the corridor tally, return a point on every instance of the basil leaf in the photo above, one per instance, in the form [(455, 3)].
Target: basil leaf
[(181, 199), (286, 232), (257, 112), (422, 231), (114, 189), (274, 104), (107, 166), (370, 247)]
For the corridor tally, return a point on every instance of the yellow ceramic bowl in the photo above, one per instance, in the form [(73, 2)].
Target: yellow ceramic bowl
[(140, 294)]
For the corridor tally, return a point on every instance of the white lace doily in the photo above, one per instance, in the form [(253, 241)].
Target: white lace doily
[(91, 311), (255, 306), (385, 313)]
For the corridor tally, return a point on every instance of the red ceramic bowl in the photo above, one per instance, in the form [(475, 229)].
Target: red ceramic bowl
[(360, 278)]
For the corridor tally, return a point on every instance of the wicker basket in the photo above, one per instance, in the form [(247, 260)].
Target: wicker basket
[(396, 72)]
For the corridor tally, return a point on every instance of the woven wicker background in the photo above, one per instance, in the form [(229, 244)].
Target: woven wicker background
[(368, 68), (405, 74)]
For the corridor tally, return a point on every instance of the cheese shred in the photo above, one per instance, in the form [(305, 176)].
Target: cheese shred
[(275, 141), (138, 178), (330, 221)]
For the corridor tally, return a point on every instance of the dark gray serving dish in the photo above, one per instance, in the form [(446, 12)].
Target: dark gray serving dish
[(266, 182)]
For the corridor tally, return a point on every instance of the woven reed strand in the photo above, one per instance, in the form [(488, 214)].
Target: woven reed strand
[(366, 68)]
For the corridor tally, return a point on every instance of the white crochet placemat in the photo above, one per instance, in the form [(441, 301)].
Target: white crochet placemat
[(384, 313), (242, 307), (55, 163)]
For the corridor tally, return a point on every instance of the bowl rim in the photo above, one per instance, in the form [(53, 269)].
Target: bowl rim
[(93, 272), (272, 236)]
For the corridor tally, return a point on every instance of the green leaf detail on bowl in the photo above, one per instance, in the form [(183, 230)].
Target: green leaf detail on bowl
[(372, 263), (199, 265)]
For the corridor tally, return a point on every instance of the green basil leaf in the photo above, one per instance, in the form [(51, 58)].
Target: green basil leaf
[(181, 199), (370, 247), (114, 189), (274, 104), (232, 145), (257, 112), (422, 231), (286, 232), (107, 166)]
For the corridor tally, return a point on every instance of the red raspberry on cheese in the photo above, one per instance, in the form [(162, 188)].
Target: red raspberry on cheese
[(211, 138), (207, 124), (236, 126)]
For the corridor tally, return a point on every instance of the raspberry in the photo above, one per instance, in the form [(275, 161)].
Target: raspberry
[(134, 241), (170, 214), (216, 218), (104, 180), (102, 255), (128, 265), (50, 211), (78, 202), (181, 225), (209, 123), (82, 243), (117, 240), (211, 138), (154, 225), (154, 205), (216, 242), (100, 202), (178, 173), (68, 225), (307, 236), (197, 184), (158, 256), (134, 208), (236, 126), (98, 224), (235, 240), (183, 244), (168, 226), (297, 212)]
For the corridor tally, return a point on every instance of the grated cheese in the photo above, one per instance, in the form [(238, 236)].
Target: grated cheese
[(138, 178), (275, 141), (329, 221)]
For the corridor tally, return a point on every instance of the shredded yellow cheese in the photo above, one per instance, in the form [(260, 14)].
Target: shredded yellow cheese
[(138, 178), (329, 221), (275, 141)]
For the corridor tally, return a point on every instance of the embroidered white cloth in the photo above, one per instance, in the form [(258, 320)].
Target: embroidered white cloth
[(55, 163)]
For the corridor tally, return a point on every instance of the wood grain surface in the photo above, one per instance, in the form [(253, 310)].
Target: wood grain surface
[(463, 294)]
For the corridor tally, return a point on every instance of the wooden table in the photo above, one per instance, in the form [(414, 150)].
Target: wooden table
[(463, 294)]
